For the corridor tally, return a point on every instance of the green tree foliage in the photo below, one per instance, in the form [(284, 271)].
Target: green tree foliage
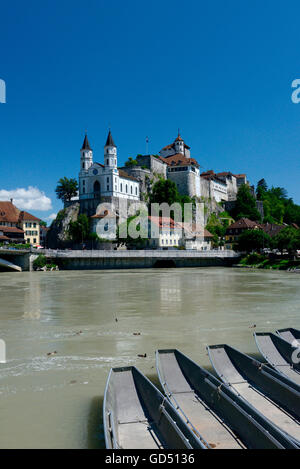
[(288, 238), (66, 189), (79, 230), (278, 208), (245, 206), (129, 241), (217, 226), (131, 162), (253, 240), (40, 261), (165, 191)]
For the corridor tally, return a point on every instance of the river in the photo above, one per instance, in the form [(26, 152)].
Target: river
[(89, 319)]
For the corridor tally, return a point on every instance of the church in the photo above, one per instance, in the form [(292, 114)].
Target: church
[(105, 180)]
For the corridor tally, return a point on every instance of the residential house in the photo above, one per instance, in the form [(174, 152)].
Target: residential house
[(236, 229), (164, 233), (199, 240), (19, 226), (31, 227)]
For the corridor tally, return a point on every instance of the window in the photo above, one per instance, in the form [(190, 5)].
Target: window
[(107, 162), (34, 240), (34, 225), (166, 241), (131, 189), (121, 187), (83, 182), (126, 188), (136, 191), (162, 241), (107, 187), (107, 179), (83, 190), (82, 165)]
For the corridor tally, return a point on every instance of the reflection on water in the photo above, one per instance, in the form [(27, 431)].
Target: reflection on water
[(64, 330)]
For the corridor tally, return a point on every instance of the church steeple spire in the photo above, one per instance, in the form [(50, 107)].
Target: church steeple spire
[(86, 144), (110, 152), (86, 155), (110, 141)]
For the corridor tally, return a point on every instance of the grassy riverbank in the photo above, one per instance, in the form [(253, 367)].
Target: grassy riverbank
[(260, 261)]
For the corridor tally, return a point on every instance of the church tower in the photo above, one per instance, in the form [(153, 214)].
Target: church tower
[(110, 153), (86, 155)]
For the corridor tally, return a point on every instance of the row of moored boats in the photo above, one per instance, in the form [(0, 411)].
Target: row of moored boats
[(250, 405)]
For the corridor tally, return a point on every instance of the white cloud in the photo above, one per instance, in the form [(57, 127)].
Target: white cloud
[(27, 199), (52, 216)]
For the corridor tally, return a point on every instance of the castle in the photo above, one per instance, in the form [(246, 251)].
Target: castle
[(106, 182)]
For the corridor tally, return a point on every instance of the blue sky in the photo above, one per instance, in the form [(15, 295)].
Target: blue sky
[(220, 71)]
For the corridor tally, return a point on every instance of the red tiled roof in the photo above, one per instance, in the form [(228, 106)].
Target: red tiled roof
[(104, 214), (27, 216), (10, 229), (244, 223), (9, 212), (197, 230), (179, 160), (172, 145), (164, 222), (271, 228), (3, 238)]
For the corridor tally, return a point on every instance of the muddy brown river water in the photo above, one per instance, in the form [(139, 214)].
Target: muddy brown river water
[(95, 320)]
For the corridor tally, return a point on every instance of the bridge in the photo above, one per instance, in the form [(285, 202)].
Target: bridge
[(106, 259)]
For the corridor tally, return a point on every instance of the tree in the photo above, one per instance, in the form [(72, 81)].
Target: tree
[(66, 189), (131, 243), (166, 191), (261, 189), (131, 162), (288, 238), (245, 206), (79, 230), (253, 240)]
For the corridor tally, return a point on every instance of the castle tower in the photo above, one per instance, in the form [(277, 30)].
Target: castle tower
[(110, 152), (86, 155), (179, 144)]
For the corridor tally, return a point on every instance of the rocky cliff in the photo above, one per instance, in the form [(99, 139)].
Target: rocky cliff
[(58, 236)]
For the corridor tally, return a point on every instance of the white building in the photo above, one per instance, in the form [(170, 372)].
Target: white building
[(181, 168), (164, 232), (104, 180)]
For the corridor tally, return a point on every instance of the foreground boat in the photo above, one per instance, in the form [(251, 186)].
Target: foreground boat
[(215, 413), (137, 416), (290, 334), (272, 394), (279, 354)]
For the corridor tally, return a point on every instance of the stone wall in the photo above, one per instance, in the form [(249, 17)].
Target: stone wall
[(155, 165)]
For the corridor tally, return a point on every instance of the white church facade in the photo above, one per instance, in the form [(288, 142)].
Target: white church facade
[(97, 180)]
